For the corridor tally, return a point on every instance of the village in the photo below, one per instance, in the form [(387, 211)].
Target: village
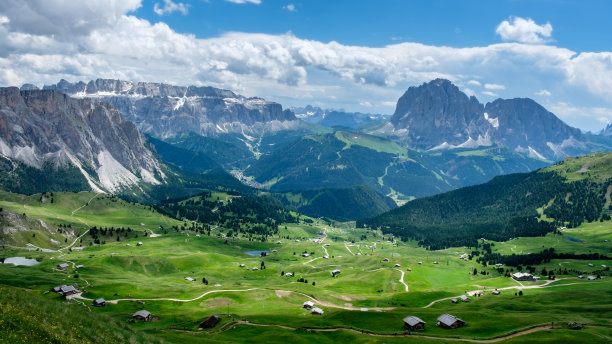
[(316, 267)]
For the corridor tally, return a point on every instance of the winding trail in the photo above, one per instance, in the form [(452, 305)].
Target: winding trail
[(402, 279), (317, 301), (541, 286), (86, 203), (351, 252), (413, 334)]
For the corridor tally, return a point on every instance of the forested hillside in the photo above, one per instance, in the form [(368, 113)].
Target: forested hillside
[(339, 204), (527, 204)]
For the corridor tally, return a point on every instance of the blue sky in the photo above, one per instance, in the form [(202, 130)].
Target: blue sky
[(354, 55), (378, 23)]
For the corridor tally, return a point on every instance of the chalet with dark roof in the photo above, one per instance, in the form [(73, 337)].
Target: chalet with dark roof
[(449, 321), (413, 323), (142, 315), (210, 322)]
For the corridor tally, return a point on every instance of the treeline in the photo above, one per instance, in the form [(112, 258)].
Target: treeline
[(20, 178), (544, 256), (499, 210), (252, 215)]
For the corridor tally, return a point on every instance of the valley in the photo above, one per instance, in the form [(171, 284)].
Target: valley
[(382, 279)]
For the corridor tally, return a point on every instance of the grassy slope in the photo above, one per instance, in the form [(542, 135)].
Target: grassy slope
[(25, 317), (157, 269), (81, 211)]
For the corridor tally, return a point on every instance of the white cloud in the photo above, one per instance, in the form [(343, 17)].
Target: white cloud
[(256, 2), (290, 8), (544, 93), (284, 68), (170, 7), (594, 118), (64, 18), (365, 103), (524, 31), (494, 87), (469, 92)]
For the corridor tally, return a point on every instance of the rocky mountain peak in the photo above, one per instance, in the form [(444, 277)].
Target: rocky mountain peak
[(437, 111), (166, 110), (41, 126), (437, 115)]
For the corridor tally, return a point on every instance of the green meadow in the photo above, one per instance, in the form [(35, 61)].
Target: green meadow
[(365, 303)]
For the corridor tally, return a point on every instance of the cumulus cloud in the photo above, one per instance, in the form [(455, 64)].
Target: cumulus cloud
[(544, 93), (169, 7), (256, 2), (494, 87), (64, 18), (524, 30), (365, 103), (284, 67), (290, 8)]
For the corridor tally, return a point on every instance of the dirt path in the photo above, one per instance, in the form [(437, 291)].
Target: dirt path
[(345, 245), (402, 279), (413, 334), (313, 259), (86, 203), (545, 285), (75, 240), (284, 292)]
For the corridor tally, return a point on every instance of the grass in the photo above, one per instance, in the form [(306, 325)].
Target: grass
[(157, 270)]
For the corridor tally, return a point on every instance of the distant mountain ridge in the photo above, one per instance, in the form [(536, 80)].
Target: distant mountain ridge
[(439, 116), (42, 128), (337, 118), (165, 110)]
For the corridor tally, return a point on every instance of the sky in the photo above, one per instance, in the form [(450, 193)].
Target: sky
[(355, 55)]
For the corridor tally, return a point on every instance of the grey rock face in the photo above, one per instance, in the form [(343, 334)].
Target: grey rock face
[(437, 115), (439, 112), (607, 130), (165, 110), (525, 123), (39, 126)]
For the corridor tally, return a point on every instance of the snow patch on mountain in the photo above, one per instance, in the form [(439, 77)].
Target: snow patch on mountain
[(112, 175), (494, 121)]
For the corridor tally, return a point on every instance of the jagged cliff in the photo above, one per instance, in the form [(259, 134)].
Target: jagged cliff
[(165, 110), (48, 127)]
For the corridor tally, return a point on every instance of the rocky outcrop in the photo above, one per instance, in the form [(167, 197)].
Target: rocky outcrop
[(165, 110), (438, 112), (37, 127), (437, 115), (527, 126)]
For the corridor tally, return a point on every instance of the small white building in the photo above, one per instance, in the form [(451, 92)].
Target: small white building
[(289, 274), (591, 278), (397, 265), (523, 276), (308, 304), (190, 279), (316, 311), (305, 255)]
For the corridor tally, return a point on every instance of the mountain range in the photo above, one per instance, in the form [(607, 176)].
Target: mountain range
[(88, 136), (438, 116), (49, 128), (339, 119)]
